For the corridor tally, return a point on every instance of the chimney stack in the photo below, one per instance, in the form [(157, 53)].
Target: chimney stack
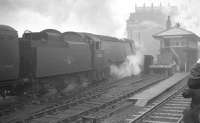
[(168, 24)]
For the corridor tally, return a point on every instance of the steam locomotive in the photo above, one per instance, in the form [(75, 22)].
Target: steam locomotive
[(57, 58)]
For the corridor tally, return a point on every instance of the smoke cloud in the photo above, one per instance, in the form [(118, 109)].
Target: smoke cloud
[(188, 15), (131, 66), (94, 16), (106, 17)]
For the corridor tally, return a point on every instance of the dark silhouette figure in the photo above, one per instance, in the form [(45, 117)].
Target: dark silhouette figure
[(192, 115)]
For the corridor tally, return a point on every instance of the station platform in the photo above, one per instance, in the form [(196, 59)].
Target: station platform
[(142, 98)]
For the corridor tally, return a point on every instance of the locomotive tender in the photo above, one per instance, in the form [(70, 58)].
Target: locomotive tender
[(57, 58)]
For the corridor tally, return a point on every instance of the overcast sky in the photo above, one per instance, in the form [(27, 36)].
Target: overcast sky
[(97, 16)]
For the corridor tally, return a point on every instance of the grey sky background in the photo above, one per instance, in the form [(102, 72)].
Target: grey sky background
[(106, 17)]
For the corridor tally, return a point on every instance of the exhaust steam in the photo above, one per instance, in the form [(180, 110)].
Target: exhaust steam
[(131, 66)]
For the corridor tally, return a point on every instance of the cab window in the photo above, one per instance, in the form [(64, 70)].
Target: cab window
[(98, 45)]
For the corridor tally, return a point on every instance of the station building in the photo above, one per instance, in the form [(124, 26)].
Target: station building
[(178, 47), (145, 21)]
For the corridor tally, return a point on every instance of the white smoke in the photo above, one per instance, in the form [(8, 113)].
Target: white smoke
[(188, 16), (183, 11), (93, 16), (131, 66), (198, 61)]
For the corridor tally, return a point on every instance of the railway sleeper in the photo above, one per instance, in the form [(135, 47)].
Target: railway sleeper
[(106, 104)]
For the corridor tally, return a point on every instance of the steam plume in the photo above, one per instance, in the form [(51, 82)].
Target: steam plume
[(131, 66)]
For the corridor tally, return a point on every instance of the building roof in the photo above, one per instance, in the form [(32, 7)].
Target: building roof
[(173, 32)]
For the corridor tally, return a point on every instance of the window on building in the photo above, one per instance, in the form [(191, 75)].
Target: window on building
[(172, 43), (177, 43), (182, 43), (167, 43), (98, 45)]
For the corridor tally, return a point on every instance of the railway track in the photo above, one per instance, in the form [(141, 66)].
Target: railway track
[(74, 100), (7, 110), (8, 106), (70, 99), (73, 112), (87, 102), (166, 109)]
